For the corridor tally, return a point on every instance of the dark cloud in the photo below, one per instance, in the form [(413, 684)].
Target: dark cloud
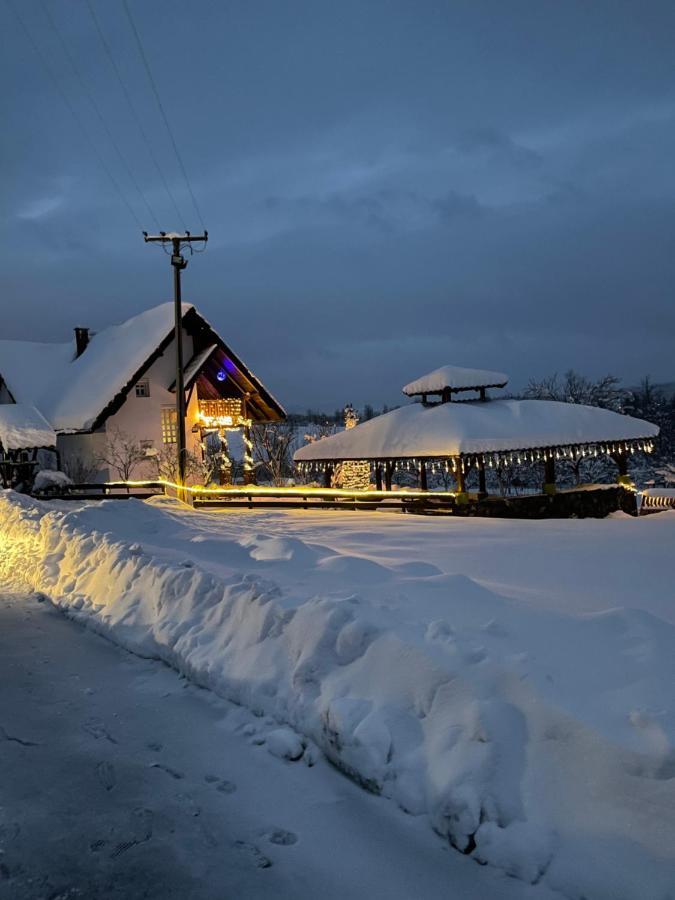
[(389, 186)]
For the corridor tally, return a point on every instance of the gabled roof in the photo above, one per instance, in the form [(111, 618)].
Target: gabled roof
[(455, 378), (456, 429), (78, 394), (23, 426)]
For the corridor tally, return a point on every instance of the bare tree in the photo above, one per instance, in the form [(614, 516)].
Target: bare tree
[(273, 449), (165, 465), (80, 469), (576, 388), (122, 453), (605, 392)]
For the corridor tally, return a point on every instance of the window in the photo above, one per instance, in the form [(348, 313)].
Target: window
[(143, 388), (169, 425)]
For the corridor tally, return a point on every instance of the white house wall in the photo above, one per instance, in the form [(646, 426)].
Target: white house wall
[(138, 417), (78, 455)]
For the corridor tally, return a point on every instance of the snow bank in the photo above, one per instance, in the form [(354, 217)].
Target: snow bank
[(22, 427), (540, 743), (47, 478)]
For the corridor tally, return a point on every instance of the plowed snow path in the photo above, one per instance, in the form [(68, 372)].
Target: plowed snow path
[(118, 779)]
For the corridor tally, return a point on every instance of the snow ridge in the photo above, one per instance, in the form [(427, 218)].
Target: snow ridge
[(445, 723)]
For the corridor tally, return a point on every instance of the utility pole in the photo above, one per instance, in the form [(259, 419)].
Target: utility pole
[(178, 241)]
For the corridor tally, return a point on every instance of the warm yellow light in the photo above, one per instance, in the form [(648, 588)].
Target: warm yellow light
[(287, 491)]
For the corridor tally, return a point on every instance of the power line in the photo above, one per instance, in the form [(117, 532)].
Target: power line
[(162, 111), (97, 109), (137, 118), (53, 78)]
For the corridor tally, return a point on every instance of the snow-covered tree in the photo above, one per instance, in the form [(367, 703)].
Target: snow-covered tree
[(273, 445)]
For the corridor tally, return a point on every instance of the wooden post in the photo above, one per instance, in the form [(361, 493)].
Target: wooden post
[(378, 476), (388, 473), (459, 478), (249, 468), (549, 475), (327, 475), (482, 490), (423, 476), (621, 460)]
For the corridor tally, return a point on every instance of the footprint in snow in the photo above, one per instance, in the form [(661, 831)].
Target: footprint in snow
[(254, 854), (282, 837), (105, 773), (221, 784), (155, 746), (189, 801), (97, 729), (169, 771)]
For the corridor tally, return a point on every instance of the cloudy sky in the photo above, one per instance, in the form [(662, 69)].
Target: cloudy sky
[(388, 186)]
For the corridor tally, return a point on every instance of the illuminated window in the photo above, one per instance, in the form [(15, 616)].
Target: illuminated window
[(169, 425), (143, 388)]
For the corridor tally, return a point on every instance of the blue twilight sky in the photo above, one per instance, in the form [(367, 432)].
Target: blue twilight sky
[(389, 186)]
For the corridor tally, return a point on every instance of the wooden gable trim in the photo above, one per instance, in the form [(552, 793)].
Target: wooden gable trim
[(271, 410), (196, 327), (4, 384)]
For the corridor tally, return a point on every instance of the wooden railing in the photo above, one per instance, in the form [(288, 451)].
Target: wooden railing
[(113, 490)]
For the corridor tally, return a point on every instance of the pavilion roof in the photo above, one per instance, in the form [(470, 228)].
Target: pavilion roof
[(455, 378), (462, 429)]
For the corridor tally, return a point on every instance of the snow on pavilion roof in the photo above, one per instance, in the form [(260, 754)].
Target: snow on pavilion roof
[(457, 429), (455, 378), (22, 426)]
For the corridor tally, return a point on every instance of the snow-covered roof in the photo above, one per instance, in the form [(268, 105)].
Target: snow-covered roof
[(455, 429), (456, 378), (22, 426), (71, 392)]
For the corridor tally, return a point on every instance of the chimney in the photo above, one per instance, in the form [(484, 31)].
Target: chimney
[(81, 341)]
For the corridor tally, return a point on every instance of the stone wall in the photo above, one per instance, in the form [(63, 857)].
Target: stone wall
[(595, 503)]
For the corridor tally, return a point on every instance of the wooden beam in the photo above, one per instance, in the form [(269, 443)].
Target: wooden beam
[(388, 473), (481, 478)]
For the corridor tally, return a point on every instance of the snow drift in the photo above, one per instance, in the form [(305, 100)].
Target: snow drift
[(538, 742)]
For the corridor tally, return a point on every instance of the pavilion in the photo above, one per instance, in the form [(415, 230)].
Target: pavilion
[(455, 425)]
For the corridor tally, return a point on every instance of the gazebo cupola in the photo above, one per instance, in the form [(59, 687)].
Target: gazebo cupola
[(442, 383)]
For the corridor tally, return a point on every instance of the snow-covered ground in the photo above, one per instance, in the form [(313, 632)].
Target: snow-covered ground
[(120, 780), (510, 683)]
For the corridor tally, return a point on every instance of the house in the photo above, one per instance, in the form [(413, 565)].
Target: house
[(119, 384)]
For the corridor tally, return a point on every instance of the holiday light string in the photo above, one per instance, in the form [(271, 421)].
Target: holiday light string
[(495, 459)]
